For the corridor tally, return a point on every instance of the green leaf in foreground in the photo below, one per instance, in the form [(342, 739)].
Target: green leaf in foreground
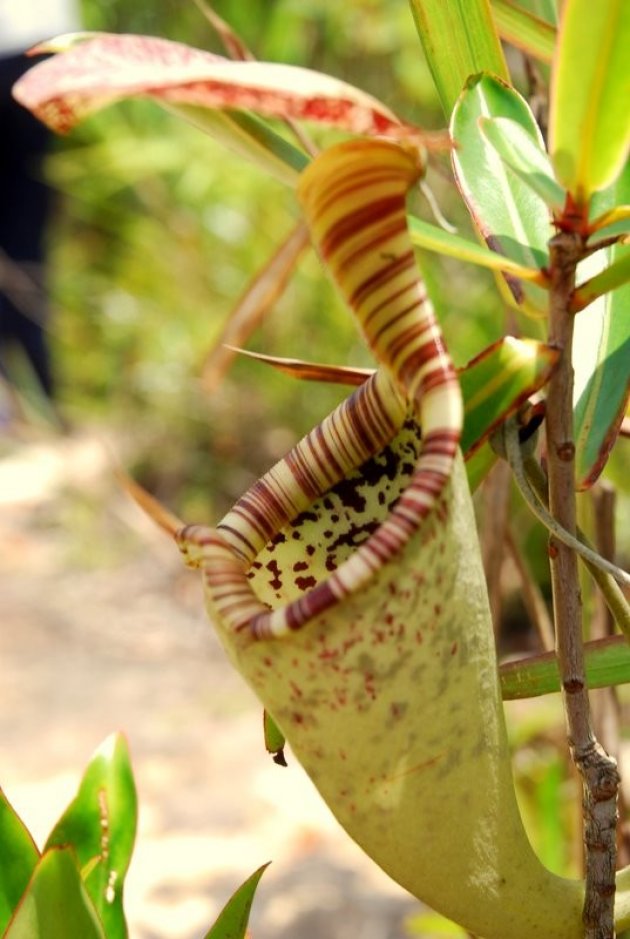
[(497, 381), (589, 120), (607, 663), (56, 904), (234, 917), (100, 825), (18, 858), (529, 33), (511, 217), (601, 351), (459, 39), (525, 156)]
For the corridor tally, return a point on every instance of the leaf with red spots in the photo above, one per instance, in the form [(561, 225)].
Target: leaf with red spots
[(106, 68)]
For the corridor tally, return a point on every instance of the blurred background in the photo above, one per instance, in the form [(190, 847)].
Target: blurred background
[(156, 231)]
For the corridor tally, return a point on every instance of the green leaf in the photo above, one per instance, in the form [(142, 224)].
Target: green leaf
[(18, 858), (247, 136), (512, 218), (56, 904), (459, 39), (100, 825), (607, 663), (601, 352), (589, 121), (234, 917), (497, 382), (615, 275), (425, 235), (525, 157), (274, 739), (529, 33)]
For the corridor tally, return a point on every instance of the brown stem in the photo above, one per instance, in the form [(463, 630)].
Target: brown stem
[(600, 779)]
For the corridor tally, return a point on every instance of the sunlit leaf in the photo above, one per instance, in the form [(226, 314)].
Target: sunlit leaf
[(607, 663), (18, 857), (589, 121), (459, 39), (100, 825), (496, 382), (615, 275), (234, 917), (529, 33), (525, 156), (512, 218), (259, 296), (601, 352), (56, 904)]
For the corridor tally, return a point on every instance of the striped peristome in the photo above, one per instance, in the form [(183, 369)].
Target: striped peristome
[(354, 198)]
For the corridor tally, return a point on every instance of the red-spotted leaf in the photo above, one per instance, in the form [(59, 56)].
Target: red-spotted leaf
[(66, 88), (601, 353), (234, 917), (56, 904), (512, 218), (18, 858), (100, 825)]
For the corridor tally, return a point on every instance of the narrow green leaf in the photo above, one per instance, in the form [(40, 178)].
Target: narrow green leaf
[(100, 825), (529, 33), (612, 277), (601, 351), (425, 235), (525, 156), (249, 137), (607, 663), (18, 858), (512, 218), (615, 221), (56, 904), (498, 381), (589, 121), (234, 917), (459, 39)]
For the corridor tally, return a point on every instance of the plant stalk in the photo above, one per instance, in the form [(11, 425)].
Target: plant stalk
[(600, 779)]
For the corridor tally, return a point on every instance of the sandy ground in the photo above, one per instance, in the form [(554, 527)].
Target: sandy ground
[(91, 643)]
